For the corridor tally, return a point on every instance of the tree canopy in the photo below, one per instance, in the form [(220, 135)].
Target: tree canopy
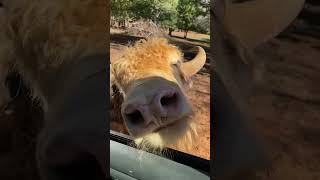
[(120, 9), (182, 14)]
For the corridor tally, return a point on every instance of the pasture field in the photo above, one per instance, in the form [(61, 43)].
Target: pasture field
[(199, 94), (193, 36)]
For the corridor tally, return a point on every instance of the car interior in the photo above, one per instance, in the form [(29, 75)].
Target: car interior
[(129, 163)]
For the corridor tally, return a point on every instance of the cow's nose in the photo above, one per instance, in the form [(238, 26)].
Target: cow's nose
[(164, 103)]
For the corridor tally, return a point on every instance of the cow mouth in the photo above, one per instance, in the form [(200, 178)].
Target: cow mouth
[(173, 133), (169, 125)]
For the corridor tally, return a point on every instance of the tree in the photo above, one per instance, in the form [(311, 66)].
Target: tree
[(153, 10), (201, 24), (146, 9), (120, 10), (161, 12), (204, 7), (168, 18), (187, 10)]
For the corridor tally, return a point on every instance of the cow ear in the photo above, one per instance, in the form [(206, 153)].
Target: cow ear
[(193, 66), (255, 21)]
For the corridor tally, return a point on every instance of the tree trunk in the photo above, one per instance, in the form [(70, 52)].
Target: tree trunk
[(185, 34), (170, 31)]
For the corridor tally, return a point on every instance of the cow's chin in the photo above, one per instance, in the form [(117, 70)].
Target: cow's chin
[(179, 134)]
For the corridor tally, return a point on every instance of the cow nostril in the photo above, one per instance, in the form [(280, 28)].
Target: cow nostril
[(169, 99), (135, 117)]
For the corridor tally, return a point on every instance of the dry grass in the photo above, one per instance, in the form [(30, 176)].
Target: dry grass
[(192, 36)]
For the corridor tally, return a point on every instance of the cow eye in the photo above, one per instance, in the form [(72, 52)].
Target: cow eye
[(176, 64)]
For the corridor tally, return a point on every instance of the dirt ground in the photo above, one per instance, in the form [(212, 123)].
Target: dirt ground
[(199, 94)]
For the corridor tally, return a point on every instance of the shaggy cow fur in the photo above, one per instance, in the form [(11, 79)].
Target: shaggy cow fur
[(237, 30), (41, 36), (39, 39)]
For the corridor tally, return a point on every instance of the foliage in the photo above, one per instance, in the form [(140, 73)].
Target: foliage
[(201, 24), (183, 14), (168, 18), (120, 9), (159, 11), (188, 11)]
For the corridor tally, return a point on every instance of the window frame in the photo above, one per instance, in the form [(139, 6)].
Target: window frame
[(195, 162)]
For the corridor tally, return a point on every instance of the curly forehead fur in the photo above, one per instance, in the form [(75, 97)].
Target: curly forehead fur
[(57, 31), (146, 57), (158, 48)]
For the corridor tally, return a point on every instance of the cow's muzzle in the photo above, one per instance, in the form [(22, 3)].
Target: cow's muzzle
[(153, 104)]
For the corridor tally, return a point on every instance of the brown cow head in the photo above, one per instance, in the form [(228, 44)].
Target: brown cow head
[(238, 27), (60, 51), (152, 78), (4, 64)]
